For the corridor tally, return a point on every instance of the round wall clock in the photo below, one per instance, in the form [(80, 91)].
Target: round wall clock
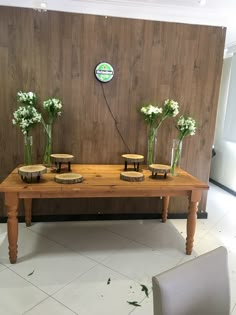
[(104, 72)]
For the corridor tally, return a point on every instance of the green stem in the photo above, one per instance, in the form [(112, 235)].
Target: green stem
[(151, 137), (176, 156), (28, 144), (48, 145)]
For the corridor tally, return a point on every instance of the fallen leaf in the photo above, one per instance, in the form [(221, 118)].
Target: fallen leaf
[(109, 281), (134, 303), (145, 289), (30, 274)]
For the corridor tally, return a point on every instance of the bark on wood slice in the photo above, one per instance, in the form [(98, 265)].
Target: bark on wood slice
[(68, 178), (32, 170), (61, 158), (133, 158), (132, 176), (159, 168)]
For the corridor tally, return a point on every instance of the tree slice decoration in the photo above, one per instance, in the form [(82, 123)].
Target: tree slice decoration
[(133, 158), (132, 176), (61, 158), (68, 178), (159, 169), (29, 173)]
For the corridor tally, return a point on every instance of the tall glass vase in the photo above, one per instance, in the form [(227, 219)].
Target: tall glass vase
[(151, 145), (48, 145), (175, 155), (28, 142)]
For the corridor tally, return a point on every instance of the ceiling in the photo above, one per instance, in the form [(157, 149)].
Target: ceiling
[(215, 12)]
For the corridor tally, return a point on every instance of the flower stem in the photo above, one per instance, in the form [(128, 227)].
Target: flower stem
[(48, 145), (151, 137), (176, 155), (28, 144)]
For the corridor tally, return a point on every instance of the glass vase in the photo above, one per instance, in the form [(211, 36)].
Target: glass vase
[(28, 142), (48, 145), (151, 146), (175, 155)]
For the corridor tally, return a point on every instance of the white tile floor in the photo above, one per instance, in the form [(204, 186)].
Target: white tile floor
[(63, 268)]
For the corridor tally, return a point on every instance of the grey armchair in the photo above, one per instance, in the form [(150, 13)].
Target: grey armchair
[(197, 287)]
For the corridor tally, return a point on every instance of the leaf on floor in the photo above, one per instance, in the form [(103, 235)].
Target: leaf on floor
[(109, 281), (30, 274), (134, 303), (145, 289)]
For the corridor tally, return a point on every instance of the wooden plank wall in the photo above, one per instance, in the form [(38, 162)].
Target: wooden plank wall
[(55, 53)]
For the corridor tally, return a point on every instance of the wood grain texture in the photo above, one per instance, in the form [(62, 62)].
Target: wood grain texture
[(55, 53)]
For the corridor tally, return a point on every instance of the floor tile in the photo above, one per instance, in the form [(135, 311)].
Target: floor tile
[(233, 291), (146, 307), (234, 310), (50, 306), (101, 291), (140, 263), (29, 243), (207, 243), (3, 227), (154, 234), (2, 267), (16, 294), (131, 229), (52, 270), (90, 239)]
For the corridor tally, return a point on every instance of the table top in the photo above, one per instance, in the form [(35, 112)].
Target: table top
[(102, 181)]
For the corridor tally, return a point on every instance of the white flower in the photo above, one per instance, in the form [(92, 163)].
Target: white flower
[(186, 126), (151, 113), (26, 117), (53, 106), (26, 98), (171, 108)]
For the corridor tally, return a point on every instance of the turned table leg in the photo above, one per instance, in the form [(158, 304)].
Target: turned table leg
[(192, 220), (165, 205), (28, 212), (11, 203)]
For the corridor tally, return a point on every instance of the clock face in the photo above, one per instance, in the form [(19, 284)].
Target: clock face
[(104, 72)]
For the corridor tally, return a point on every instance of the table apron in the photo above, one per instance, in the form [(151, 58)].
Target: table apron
[(104, 194)]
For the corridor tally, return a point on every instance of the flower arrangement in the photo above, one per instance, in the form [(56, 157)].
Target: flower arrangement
[(186, 127), (154, 116), (26, 117), (27, 98), (53, 109)]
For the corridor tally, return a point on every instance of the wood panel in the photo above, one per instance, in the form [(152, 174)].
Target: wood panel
[(54, 54)]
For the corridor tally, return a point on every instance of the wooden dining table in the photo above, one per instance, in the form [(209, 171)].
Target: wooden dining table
[(100, 181)]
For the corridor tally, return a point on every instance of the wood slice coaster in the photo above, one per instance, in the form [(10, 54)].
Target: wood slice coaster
[(29, 173), (159, 170), (68, 178), (133, 158), (132, 176), (61, 158)]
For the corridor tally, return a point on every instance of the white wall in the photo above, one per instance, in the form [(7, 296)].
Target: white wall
[(223, 167)]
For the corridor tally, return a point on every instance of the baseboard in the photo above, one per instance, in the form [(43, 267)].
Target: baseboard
[(104, 217), (232, 192)]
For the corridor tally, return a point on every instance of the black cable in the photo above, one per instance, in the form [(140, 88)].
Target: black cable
[(116, 122)]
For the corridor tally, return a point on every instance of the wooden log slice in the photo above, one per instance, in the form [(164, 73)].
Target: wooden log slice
[(68, 178), (61, 158), (159, 168), (133, 158), (132, 176), (32, 170)]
